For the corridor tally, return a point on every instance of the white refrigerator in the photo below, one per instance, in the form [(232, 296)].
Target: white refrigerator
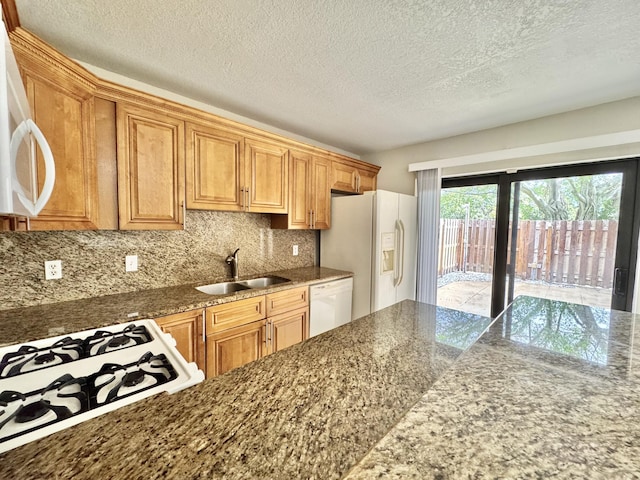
[(374, 236)]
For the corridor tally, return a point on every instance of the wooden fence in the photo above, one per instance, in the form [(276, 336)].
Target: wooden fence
[(565, 252)]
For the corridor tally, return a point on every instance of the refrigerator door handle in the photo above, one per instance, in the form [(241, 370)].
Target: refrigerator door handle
[(401, 262), (396, 256)]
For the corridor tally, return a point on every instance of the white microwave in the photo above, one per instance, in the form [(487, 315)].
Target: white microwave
[(20, 138)]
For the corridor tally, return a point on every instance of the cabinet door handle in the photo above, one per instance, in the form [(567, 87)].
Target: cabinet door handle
[(248, 199), (242, 197), (204, 325), (271, 335), (313, 219)]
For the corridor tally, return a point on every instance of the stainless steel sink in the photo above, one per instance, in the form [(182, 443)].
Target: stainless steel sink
[(223, 288), (264, 281)]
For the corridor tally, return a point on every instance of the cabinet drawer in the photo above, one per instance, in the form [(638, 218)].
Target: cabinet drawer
[(221, 317), (287, 300)]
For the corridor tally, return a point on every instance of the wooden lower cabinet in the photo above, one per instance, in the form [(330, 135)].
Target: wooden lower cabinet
[(239, 333), (186, 329), (288, 329), (235, 347)]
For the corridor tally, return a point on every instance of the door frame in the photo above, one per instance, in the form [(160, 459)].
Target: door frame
[(629, 224)]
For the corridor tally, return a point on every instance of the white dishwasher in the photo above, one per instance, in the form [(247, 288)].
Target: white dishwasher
[(330, 305)]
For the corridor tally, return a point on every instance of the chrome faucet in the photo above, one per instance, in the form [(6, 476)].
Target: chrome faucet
[(233, 261)]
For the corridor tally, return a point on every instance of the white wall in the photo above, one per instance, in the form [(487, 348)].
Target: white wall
[(605, 119)]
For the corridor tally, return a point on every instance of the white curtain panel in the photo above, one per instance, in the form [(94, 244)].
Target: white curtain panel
[(428, 228)]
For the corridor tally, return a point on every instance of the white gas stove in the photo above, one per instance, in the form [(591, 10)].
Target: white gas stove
[(51, 384)]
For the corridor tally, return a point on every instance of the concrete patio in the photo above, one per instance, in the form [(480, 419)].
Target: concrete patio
[(474, 296)]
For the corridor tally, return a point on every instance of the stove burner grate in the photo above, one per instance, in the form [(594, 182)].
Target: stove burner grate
[(28, 358), (114, 382), (21, 413)]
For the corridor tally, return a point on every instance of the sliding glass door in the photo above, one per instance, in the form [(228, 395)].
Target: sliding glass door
[(563, 238), (466, 248), (566, 233)]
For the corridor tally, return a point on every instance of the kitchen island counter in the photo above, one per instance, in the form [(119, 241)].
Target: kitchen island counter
[(310, 411), (551, 391)]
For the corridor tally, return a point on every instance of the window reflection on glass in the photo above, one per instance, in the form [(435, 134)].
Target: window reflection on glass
[(570, 329)]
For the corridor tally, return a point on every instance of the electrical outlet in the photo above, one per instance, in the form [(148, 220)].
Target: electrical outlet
[(131, 263), (295, 250), (52, 269)]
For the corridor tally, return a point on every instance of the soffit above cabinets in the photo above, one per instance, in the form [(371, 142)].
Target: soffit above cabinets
[(359, 75)]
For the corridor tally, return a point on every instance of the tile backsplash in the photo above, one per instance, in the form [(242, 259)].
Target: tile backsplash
[(93, 263)]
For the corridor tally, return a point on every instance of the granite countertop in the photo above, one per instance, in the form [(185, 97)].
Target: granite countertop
[(551, 391), (312, 410), (48, 320)]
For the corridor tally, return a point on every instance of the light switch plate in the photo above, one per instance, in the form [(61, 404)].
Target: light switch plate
[(295, 250), (131, 263)]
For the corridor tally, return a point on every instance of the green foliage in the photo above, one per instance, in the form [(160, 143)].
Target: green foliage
[(588, 197), (480, 198)]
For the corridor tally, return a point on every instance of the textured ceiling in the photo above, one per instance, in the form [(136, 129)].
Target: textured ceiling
[(362, 75)]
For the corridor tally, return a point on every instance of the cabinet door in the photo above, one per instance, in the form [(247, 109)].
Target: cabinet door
[(299, 185), (186, 329), (288, 329), (215, 169), (344, 177), (367, 181), (150, 169), (321, 193), (235, 347), (64, 111), (267, 165)]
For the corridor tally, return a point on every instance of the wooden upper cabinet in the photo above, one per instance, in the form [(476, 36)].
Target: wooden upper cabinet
[(62, 105), (299, 214), (351, 176), (309, 193), (226, 171), (321, 193), (344, 176), (367, 180), (215, 169), (267, 166), (150, 169)]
